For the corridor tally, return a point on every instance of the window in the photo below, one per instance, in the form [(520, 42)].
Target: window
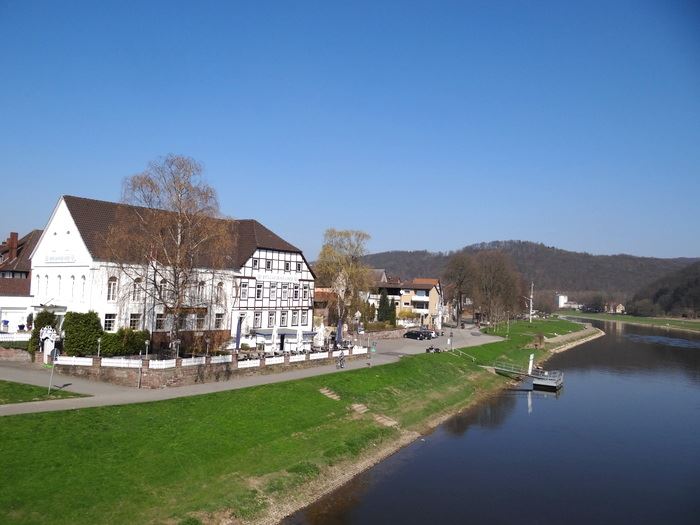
[(296, 291), (298, 267), (200, 291), (82, 291), (256, 263), (220, 293), (257, 319), (259, 291), (219, 321), (283, 318), (305, 317), (406, 304), (72, 287), (295, 318), (160, 321), (306, 291), (273, 290), (286, 266), (136, 290), (59, 286), (182, 321), (244, 290), (46, 285), (271, 319), (285, 292), (135, 321), (200, 320), (268, 264), (161, 289), (110, 321), (112, 289)]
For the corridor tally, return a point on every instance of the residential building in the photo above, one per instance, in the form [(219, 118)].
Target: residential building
[(15, 280), (262, 298)]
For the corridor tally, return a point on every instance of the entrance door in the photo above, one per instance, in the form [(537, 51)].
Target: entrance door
[(282, 336)]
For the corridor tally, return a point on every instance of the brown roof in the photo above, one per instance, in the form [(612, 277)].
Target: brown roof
[(15, 287), (94, 219), (426, 280), (25, 247)]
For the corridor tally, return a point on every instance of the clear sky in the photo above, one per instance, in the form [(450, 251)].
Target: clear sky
[(430, 125)]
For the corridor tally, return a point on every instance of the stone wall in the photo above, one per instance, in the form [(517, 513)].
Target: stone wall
[(15, 354), (185, 375)]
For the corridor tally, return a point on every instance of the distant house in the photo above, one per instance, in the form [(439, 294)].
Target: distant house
[(561, 301), (614, 308), (15, 280)]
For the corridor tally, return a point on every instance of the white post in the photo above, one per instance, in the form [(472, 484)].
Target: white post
[(529, 367), (532, 290)]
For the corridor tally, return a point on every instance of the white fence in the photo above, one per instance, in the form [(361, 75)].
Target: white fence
[(193, 361), (249, 363), (18, 336), (163, 363), (297, 358), (215, 359), (318, 355), (120, 362), (73, 361), (274, 360)]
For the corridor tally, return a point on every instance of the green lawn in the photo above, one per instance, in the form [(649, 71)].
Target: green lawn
[(239, 450), (19, 393), (664, 322)]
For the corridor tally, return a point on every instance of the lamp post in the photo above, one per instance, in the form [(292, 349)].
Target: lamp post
[(99, 343)]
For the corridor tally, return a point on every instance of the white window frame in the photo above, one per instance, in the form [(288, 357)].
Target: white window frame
[(218, 321), (295, 318), (268, 264), (257, 319), (160, 322), (283, 318), (136, 290), (287, 266), (137, 318), (295, 292), (199, 320), (304, 317), (259, 291), (112, 289), (271, 318), (256, 263), (305, 291), (285, 292), (273, 291), (298, 267), (112, 320), (244, 290)]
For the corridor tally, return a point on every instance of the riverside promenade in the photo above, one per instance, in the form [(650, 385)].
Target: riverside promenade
[(105, 394)]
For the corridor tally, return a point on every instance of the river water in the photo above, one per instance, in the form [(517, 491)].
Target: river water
[(619, 444)]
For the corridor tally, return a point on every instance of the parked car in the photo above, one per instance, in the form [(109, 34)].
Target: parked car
[(428, 334), (415, 334)]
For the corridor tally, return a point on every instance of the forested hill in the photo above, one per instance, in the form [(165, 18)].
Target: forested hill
[(550, 268), (675, 294)]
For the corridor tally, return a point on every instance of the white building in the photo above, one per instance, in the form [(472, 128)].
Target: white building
[(562, 300), (264, 296)]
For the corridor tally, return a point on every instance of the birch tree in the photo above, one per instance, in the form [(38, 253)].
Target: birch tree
[(340, 267)]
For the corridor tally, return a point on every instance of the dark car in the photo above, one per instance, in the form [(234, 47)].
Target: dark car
[(428, 334), (415, 334)]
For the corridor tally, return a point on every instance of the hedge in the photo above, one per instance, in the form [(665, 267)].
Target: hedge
[(82, 331), (124, 342)]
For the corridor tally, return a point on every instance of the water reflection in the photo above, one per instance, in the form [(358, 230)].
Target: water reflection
[(488, 414)]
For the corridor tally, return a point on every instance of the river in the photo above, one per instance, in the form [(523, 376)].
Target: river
[(620, 443)]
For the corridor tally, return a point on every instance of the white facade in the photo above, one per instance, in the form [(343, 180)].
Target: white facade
[(272, 291), (562, 300)]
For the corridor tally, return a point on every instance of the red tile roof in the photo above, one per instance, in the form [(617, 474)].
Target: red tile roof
[(25, 246)]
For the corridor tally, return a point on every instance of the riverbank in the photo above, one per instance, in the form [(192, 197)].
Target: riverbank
[(246, 456), (680, 325)]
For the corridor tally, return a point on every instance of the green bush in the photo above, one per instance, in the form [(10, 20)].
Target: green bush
[(20, 345), (124, 342), (82, 331), (43, 318)]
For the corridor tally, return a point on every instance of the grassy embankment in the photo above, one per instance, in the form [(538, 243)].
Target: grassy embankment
[(240, 450), (20, 393), (661, 322)]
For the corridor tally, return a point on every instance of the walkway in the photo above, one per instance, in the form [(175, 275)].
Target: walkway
[(104, 394)]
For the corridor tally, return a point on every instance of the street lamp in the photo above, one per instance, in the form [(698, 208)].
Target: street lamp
[(99, 342)]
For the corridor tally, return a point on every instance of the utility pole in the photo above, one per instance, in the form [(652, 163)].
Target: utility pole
[(532, 293)]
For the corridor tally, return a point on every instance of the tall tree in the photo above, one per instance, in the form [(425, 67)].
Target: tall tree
[(383, 313), (170, 241), (498, 287), (340, 267), (460, 276)]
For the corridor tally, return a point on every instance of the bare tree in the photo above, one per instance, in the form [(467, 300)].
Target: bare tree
[(340, 267), (170, 243), (498, 285), (460, 276)]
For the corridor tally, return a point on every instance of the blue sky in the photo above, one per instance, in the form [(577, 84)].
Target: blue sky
[(430, 125)]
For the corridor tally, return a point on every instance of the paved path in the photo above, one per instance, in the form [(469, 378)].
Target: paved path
[(104, 394)]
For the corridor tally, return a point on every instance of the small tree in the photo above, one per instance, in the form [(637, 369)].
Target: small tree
[(384, 307), (43, 319)]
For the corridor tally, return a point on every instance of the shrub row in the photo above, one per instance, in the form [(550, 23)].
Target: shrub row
[(82, 331)]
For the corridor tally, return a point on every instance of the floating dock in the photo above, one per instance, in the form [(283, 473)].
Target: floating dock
[(551, 380)]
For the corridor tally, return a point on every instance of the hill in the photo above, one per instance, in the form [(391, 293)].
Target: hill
[(675, 294), (550, 268)]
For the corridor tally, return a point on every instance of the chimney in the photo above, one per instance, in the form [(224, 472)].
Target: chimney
[(12, 245)]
